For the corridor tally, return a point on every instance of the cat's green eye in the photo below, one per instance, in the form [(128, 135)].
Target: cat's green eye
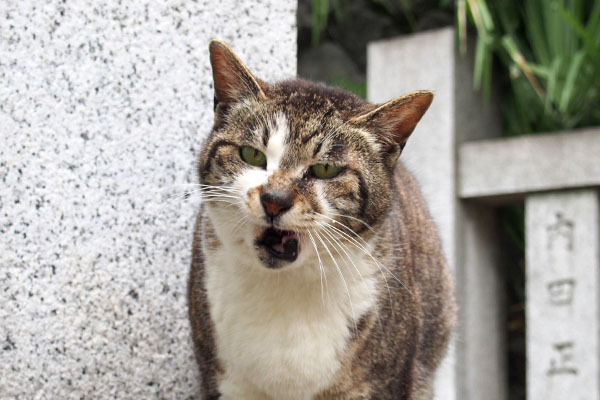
[(325, 171), (253, 156)]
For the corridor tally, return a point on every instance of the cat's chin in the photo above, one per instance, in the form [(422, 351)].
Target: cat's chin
[(276, 247)]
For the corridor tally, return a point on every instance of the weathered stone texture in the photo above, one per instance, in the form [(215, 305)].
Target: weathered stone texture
[(563, 292)]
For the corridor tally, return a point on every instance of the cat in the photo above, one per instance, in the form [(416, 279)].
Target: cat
[(317, 272)]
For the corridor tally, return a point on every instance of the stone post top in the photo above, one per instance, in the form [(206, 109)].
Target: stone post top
[(507, 169)]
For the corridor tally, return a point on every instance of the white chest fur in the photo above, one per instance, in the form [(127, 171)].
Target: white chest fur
[(278, 335)]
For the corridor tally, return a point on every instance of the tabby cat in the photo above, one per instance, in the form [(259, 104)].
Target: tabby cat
[(317, 272)]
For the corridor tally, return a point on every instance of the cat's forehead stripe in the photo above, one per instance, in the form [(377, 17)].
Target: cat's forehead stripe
[(276, 143)]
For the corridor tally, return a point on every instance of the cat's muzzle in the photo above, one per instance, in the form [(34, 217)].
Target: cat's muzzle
[(279, 245)]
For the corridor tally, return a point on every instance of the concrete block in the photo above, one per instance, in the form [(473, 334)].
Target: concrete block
[(428, 61), (482, 354), (508, 169), (104, 105), (563, 293)]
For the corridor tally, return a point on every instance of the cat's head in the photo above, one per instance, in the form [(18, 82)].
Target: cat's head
[(294, 166)]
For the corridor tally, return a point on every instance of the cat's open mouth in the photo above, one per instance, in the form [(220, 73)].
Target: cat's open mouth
[(280, 244)]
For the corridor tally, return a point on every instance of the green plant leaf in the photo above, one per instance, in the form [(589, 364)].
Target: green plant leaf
[(486, 17), (593, 25), (569, 87), (320, 14), (534, 25), (551, 85), (586, 34), (550, 50), (481, 51)]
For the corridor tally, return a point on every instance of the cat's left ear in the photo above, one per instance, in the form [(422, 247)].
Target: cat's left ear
[(232, 80), (394, 121)]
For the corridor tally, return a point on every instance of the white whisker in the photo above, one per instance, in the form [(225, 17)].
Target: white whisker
[(174, 201), (343, 280), (343, 248), (357, 244), (349, 217), (320, 266), (377, 263)]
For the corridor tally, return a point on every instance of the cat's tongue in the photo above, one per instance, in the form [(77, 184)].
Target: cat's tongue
[(280, 243), (287, 245)]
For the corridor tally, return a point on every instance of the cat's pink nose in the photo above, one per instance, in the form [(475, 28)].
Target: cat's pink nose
[(275, 202)]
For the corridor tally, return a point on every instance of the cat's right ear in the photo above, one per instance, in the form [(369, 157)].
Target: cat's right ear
[(232, 80), (394, 121)]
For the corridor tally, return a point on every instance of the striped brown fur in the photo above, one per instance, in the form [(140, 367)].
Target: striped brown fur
[(393, 348)]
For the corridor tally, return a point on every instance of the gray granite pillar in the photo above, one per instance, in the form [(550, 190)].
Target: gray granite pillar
[(103, 107), (563, 295)]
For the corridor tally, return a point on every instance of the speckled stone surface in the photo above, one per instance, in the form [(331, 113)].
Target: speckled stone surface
[(103, 106)]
